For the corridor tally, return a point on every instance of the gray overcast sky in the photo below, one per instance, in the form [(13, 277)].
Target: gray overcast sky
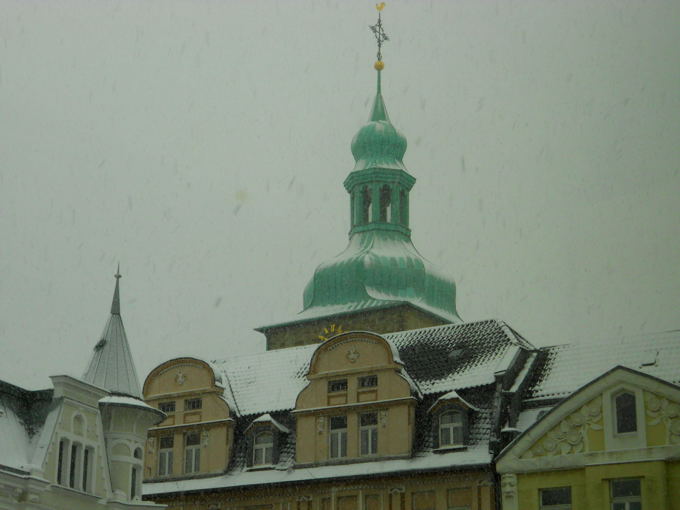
[(204, 144)]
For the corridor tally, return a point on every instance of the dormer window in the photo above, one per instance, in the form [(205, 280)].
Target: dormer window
[(264, 439), (263, 449), (337, 385), (626, 418), (451, 430)]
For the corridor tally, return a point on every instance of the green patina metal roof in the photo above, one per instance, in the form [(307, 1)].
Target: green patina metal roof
[(377, 268), (380, 267)]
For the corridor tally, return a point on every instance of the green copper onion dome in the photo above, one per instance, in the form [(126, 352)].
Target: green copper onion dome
[(380, 267), (379, 143)]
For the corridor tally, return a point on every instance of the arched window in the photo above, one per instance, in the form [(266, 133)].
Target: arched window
[(403, 208), (385, 202), (62, 461), (138, 453), (367, 210), (626, 417), (263, 448), (451, 429)]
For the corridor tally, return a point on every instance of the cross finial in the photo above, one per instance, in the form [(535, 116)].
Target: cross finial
[(380, 36), (118, 276)]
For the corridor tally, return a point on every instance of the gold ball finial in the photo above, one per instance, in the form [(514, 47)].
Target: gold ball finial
[(380, 6), (379, 65)]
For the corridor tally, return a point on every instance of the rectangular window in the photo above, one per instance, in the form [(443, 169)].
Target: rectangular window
[(76, 465), (368, 431), (61, 461), (193, 403), (626, 494), (338, 437), (556, 498), (192, 453), (369, 381), (337, 385), (133, 483), (167, 407), (165, 457), (88, 455)]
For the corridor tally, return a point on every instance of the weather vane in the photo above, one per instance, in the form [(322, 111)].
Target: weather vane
[(380, 36)]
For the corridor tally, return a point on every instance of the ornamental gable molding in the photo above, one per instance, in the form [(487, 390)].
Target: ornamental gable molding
[(560, 439)]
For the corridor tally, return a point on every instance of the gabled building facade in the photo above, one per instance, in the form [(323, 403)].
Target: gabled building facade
[(611, 444), (403, 420), (81, 444)]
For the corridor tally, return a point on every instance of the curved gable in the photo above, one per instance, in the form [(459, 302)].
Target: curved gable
[(354, 351)]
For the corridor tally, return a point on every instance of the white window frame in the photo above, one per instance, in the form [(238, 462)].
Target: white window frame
[(192, 454), (370, 432), (337, 438), (625, 500), (452, 428), (558, 506), (264, 449), (165, 457), (614, 440)]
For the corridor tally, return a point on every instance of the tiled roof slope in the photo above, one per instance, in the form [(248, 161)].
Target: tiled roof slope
[(461, 357), (565, 368), (22, 416), (438, 359)]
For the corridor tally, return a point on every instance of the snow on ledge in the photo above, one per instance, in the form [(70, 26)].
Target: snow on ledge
[(473, 456)]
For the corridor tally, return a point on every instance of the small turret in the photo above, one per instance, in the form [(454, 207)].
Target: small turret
[(125, 417)]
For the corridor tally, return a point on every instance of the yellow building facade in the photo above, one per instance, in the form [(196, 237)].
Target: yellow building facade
[(613, 444), (356, 422)]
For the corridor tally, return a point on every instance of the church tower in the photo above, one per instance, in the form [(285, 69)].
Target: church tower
[(379, 282)]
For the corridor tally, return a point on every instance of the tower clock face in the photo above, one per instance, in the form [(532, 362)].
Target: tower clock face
[(330, 331)]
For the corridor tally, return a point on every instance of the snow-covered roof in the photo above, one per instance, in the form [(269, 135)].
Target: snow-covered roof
[(564, 368), (22, 414), (437, 359), (473, 456), (126, 401), (453, 395), (326, 311), (267, 418)]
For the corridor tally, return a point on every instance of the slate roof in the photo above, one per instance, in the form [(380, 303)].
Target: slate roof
[(438, 359), (22, 417), (460, 357), (564, 368)]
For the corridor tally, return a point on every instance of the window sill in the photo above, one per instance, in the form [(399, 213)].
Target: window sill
[(450, 448), (260, 467)]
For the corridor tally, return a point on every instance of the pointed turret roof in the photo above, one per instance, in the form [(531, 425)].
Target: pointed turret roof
[(111, 366)]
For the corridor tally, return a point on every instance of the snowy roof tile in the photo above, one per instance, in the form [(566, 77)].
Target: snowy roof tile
[(565, 368), (438, 359), (22, 417)]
